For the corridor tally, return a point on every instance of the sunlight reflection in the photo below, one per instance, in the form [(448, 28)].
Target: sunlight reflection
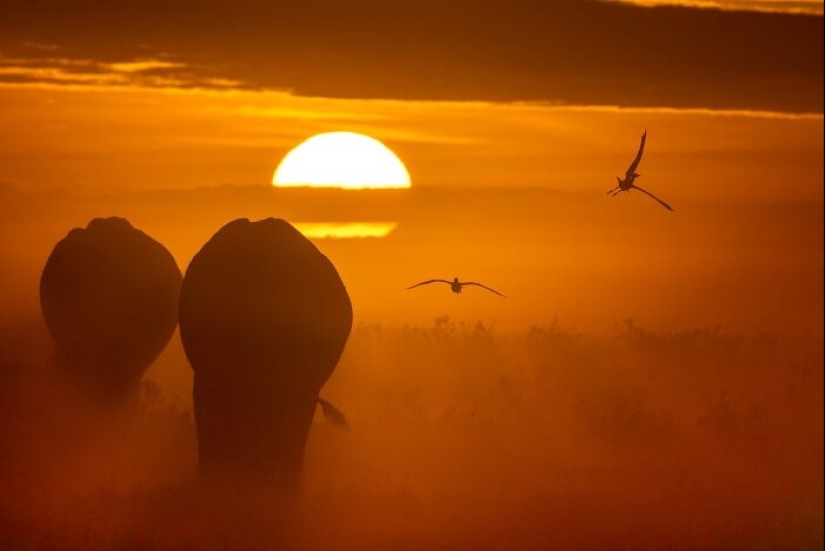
[(346, 230)]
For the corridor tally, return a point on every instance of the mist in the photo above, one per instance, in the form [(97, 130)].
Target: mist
[(637, 389), (590, 260), (461, 436)]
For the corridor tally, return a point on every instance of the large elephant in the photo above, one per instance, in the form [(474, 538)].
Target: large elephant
[(109, 296), (264, 319)]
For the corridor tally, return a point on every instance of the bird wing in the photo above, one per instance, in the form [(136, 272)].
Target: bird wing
[(668, 207), (333, 414), (474, 284), (429, 281), (633, 167)]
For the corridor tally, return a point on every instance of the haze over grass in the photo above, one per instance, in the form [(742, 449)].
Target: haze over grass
[(461, 437)]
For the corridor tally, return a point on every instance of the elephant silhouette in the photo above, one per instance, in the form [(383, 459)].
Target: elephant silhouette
[(264, 318), (109, 297)]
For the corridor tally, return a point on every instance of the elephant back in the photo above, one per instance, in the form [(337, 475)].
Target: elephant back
[(260, 304), (109, 298)]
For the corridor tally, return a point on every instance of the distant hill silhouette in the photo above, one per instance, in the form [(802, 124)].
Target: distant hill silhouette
[(264, 318), (109, 296)]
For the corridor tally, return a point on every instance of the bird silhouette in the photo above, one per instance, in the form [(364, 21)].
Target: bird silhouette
[(456, 286), (629, 181)]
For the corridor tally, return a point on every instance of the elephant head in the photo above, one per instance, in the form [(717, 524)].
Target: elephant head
[(264, 319), (109, 297)]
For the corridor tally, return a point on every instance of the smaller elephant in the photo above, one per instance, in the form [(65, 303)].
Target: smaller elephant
[(109, 297), (264, 318)]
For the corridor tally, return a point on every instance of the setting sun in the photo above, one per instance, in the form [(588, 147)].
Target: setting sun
[(344, 160)]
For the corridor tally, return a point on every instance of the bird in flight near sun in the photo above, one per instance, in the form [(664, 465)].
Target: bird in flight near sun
[(629, 181), (456, 286)]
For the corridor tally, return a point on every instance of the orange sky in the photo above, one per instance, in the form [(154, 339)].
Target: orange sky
[(105, 138), (513, 123)]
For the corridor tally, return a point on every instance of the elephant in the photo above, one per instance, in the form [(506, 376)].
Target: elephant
[(264, 319), (109, 298)]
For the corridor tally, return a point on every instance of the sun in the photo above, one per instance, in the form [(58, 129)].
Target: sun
[(342, 160)]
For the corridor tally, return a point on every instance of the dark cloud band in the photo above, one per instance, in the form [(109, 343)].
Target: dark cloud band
[(568, 51)]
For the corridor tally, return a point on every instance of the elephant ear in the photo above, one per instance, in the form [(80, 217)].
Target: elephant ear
[(333, 414)]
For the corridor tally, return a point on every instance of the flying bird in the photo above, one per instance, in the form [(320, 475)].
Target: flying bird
[(456, 286), (629, 181)]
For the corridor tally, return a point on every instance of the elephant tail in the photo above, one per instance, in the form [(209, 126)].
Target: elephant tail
[(333, 414)]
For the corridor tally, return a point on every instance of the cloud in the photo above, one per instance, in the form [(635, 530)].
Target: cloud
[(88, 72), (808, 7), (580, 52)]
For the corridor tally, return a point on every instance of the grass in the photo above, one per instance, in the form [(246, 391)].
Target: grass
[(460, 437)]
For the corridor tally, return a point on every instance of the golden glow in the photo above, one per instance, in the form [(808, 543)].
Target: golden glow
[(814, 7), (343, 160), (145, 65), (345, 230)]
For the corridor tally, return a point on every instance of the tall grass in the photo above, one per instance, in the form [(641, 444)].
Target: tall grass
[(461, 436)]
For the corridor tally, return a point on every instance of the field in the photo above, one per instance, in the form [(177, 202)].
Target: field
[(461, 436)]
